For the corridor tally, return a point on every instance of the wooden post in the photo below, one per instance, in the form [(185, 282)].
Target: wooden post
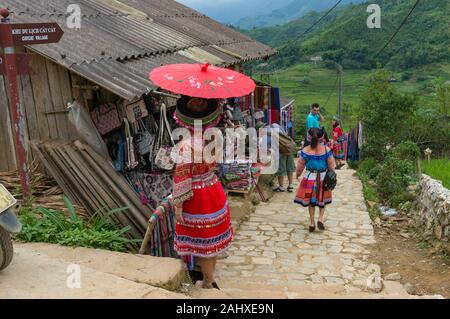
[(17, 115)]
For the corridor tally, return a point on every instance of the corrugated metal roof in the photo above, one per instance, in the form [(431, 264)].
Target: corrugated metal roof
[(128, 79), (121, 41)]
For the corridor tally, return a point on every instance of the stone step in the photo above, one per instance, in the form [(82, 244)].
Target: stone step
[(33, 274), (166, 273)]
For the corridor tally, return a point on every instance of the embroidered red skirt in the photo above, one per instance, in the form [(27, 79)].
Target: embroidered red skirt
[(206, 231), (310, 191), (338, 150)]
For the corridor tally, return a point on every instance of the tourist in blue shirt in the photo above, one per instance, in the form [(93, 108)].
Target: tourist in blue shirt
[(314, 118)]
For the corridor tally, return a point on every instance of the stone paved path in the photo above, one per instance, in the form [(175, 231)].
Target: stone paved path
[(274, 247)]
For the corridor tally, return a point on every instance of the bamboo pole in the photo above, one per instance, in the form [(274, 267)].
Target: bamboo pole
[(138, 219)]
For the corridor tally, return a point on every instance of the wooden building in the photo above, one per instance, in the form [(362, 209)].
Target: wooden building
[(118, 44)]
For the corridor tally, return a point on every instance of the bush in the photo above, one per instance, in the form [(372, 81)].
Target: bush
[(367, 165), (374, 172), (394, 176), (49, 226), (406, 151), (431, 130), (400, 200)]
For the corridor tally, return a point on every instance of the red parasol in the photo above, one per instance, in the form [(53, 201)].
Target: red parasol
[(202, 81)]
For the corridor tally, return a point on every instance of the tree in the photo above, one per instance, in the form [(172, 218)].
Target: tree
[(443, 94), (384, 112)]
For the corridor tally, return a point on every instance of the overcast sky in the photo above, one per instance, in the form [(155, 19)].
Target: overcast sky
[(204, 2)]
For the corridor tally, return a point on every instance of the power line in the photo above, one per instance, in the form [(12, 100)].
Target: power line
[(399, 28), (313, 25), (331, 92)]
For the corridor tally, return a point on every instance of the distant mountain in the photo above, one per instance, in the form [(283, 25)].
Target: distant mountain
[(344, 37), (291, 11), (231, 11)]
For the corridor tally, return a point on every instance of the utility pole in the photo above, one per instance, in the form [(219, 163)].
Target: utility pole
[(340, 74)]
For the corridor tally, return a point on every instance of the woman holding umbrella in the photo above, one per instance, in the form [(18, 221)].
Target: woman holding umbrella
[(203, 228)]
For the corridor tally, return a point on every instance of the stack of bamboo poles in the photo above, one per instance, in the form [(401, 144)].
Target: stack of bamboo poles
[(39, 183), (91, 181), (45, 191)]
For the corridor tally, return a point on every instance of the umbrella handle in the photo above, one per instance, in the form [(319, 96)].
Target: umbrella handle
[(205, 67)]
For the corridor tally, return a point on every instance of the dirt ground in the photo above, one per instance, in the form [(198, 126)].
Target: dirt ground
[(399, 250)]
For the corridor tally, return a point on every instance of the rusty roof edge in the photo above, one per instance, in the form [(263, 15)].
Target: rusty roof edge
[(128, 97)]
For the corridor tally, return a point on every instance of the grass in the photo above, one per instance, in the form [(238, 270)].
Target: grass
[(370, 194), (50, 226), (438, 169)]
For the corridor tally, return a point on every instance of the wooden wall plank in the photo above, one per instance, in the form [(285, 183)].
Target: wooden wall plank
[(30, 107), (8, 137), (57, 100), (66, 92), (4, 138), (28, 148), (47, 122)]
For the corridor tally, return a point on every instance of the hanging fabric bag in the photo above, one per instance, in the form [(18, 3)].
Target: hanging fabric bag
[(145, 139), (104, 115), (136, 111), (131, 162), (163, 153)]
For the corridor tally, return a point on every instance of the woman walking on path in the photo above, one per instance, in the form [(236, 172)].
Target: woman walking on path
[(317, 159), (204, 229), (338, 143)]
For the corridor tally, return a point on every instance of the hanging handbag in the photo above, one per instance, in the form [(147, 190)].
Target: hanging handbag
[(104, 115), (136, 111), (145, 139), (131, 162), (330, 180), (119, 163), (163, 159)]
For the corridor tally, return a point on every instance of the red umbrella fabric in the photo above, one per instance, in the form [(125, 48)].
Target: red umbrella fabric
[(203, 81)]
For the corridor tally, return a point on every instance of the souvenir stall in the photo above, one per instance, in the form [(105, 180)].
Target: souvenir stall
[(135, 137), (263, 107), (134, 134), (239, 176), (266, 100)]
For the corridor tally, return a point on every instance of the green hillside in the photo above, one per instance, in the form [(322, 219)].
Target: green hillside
[(345, 38), (310, 83)]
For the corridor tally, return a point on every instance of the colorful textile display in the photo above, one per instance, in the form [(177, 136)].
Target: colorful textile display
[(243, 103), (152, 188), (241, 171), (287, 118), (355, 141), (162, 241), (268, 99)]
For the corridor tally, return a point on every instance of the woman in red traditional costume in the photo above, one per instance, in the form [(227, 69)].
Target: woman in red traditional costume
[(338, 143), (204, 228)]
